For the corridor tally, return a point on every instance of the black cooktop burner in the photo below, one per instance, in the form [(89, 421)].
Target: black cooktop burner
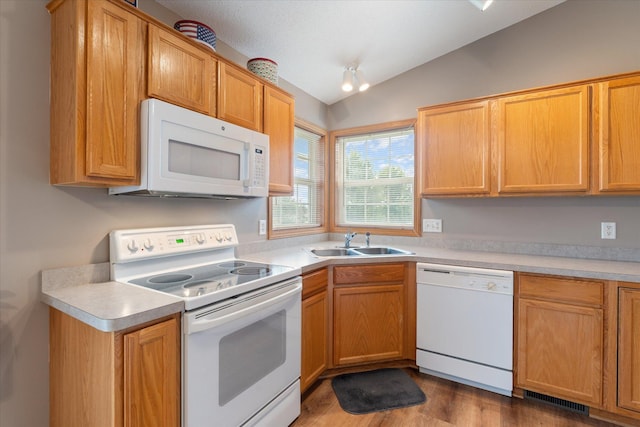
[(170, 278), (253, 271), (197, 281), (232, 264)]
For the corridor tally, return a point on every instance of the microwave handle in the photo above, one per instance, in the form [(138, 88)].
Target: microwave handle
[(249, 179)]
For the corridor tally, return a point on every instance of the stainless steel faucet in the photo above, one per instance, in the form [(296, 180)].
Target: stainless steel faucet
[(348, 237), (367, 238)]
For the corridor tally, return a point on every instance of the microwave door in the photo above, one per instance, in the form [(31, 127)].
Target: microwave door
[(197, 161)]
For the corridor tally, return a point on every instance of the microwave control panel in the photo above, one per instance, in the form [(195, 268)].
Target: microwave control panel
[(261, 165)]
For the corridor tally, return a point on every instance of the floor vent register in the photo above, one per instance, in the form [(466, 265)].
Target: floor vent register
[(559, 403)]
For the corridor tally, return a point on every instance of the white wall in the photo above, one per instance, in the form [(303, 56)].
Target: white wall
[(575, 40)]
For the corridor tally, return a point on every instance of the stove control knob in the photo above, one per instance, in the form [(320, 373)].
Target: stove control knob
[(491, 286), (148, 244), (219, 237), (227, 237), (200, 238), (133, 246)]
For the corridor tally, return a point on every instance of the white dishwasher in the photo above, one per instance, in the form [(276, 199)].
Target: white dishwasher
[(465, 325)]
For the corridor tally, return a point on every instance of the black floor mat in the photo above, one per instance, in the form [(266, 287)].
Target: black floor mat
[(378, 390)]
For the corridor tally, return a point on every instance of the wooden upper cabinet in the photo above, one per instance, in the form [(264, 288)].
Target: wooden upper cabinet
[(181, 73), (239, 96), (543, 141), (618, 136), (97, 82), (629, 350), (455, 144), (279, 112)]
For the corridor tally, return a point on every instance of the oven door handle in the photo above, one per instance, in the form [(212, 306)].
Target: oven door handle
[(213, 320)]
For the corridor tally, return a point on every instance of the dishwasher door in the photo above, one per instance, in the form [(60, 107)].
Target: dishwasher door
[(465, 325)]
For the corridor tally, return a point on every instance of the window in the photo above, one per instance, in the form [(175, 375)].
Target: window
[(304, 211), (375, 178)]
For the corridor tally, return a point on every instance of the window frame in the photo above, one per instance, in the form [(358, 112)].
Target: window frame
[(303, 231), (333, 193)]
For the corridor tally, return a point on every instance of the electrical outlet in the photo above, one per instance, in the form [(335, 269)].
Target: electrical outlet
[(432, 225), (607, 230), (262, 227)]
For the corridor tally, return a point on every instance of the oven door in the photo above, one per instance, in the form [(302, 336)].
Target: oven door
[(241, 354)]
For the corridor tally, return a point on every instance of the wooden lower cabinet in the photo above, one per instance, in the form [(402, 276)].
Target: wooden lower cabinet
[(151, 379), (560, 337), (315, 327), (114, 379), (629, 349), (368, 323), (369, 313)]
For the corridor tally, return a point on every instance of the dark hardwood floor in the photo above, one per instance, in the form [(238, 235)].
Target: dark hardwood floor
[(448, 404)]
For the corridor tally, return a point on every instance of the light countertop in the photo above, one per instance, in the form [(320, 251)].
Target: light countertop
[(300, 256), (87, 294)]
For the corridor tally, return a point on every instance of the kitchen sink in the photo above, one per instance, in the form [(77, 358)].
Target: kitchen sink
[(382, 251), (357, 251), (334, 252)]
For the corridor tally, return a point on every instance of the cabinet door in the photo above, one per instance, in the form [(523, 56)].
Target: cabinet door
[(543, 141), (560, 350), (151, 376), (368, 323), (181, 73), (455, 148), (629, 350), (278, 124), (619, 136), (315, 332), (115, 86), (239, 97)]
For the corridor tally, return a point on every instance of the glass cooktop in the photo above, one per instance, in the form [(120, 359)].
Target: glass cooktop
[(206, 279)]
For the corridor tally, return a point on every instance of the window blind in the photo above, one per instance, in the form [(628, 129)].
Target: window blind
[(304, 209), (375, 179)]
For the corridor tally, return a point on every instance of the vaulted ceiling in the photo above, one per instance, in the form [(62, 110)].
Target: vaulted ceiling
[(314, 40)]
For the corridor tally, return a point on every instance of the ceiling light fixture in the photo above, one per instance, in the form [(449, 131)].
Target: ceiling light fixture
[(481, 4), (352, 77), (363, 83), (347, 80)]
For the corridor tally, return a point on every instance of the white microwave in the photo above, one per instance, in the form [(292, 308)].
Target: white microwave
[(188, 154)]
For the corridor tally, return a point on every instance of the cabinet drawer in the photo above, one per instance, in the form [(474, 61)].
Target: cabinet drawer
[(314, 282), (379, 273), (577, 291)]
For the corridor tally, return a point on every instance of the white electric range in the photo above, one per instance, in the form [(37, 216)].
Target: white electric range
[(241, 325)]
